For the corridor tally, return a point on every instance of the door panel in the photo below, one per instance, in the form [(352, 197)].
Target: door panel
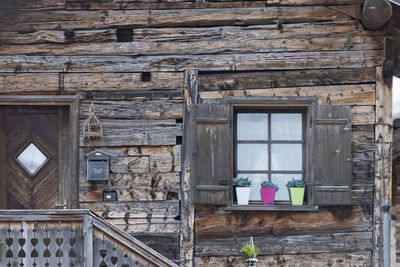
[(40, 126)]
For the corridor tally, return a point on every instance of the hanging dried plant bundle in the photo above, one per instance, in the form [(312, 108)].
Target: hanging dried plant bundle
[(92, 128)]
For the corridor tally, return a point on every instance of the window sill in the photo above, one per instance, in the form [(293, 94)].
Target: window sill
[(271, 208)]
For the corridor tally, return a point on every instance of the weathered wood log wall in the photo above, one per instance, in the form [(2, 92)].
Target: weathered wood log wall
[(241, 48)]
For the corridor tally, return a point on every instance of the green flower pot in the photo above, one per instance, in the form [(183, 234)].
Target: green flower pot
[(297, 195)]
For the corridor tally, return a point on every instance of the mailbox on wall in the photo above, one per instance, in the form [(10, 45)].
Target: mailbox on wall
[(98, 166)]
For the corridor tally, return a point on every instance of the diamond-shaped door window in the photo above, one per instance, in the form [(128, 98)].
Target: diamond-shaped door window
[(32, 159)]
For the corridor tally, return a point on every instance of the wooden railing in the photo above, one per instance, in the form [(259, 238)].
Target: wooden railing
[(69, 238)]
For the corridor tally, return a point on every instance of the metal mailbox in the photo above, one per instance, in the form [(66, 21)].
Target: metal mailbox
[(98, 166)]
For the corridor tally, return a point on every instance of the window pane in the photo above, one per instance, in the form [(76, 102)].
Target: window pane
[(286, 157), (286, 126), (31, 158), (281, 180), (252, 126), (252, 157), (256, 180)]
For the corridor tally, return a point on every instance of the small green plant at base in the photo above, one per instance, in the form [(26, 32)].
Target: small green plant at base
[(249, 251), (241, 182), (298, 183), (270, 185)]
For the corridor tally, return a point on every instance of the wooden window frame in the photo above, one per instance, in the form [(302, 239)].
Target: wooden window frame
[(270, 111), (68, 183), (276, 103)]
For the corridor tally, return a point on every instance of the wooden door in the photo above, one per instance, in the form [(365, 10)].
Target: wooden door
[(29, 153)]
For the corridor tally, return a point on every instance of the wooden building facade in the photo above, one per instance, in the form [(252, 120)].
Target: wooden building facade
[(167, 80)]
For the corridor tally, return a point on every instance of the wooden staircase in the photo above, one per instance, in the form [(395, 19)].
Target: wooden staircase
[(58, 238)]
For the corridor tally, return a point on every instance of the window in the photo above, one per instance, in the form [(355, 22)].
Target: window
[(270, 145), (274, 138)]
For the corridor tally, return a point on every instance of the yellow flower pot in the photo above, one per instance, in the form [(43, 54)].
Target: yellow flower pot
[(297, 195)]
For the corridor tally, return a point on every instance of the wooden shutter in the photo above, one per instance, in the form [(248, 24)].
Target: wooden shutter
[(212, 154), (331, 154)]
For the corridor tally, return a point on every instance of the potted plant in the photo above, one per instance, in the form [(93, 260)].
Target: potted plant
[(296, 190), (249, 253), (242, 190), (268, 190)]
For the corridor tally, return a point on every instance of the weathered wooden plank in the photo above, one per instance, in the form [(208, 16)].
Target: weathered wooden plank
[(24, 83), (248, 62), (147, 225), (132, 4), (362, 194), (166, 244), (272, 79), (360, 94), (289, 244), (363, 133), (221, 46), (296, 260), (353, 11), (136, 132), (158, 159), (132, 95), (57, 37), (133, 187), (33, 4), (383, 161), (55, 20), (134, 210), (191, 88), (362, 115), (215, 223), (122, 81), (193, 34)]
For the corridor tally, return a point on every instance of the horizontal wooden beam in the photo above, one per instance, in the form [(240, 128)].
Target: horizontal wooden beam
[(260, 44), (274, 79), (54, 20), (258, 61), (194, 34), (180, 4), (288, 244), (357, 94)]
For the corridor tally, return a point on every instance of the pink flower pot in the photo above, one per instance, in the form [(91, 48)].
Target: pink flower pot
[(268, 195)]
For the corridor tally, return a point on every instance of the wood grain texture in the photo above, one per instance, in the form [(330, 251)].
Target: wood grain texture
[(187, 242), (259, 44), (301, 31), (57, 37), (136, 187), (122, 81), (383, 161), (289, 244), (136, 132), (134, 4), (33, 4), (290, 78), (246, 62), (359, 94), (293, 260), (24, 83), (55, 20), (41, 190), (332, 154), (213, 223), (212, 159)]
